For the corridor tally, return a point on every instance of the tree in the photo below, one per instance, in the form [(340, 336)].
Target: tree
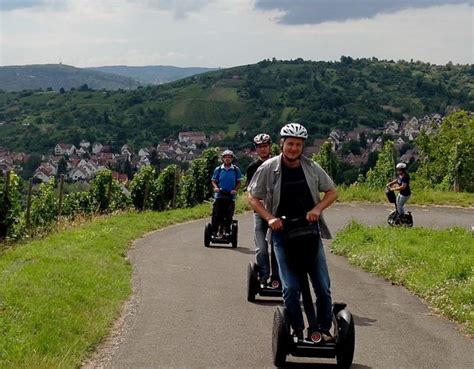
[(327, 159), (62, 167), (384, 170), (448, 154)]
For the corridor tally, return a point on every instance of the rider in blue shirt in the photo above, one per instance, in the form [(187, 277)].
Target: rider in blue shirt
[(226, 182)]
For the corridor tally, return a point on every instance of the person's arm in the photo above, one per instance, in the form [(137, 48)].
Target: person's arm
[(257, 205), (391, 183), (238, 182), (329, 197), (400, 188), (214, 185)]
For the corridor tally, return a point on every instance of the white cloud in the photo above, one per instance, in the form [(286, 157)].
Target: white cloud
[(108, 32)]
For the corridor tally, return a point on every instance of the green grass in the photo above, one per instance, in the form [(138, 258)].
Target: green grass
[(437, 265), (60, 295), (419, 196)]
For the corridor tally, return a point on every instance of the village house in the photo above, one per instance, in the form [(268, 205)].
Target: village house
[(194, 137), (64, 149), (97, 147), (85, 145)]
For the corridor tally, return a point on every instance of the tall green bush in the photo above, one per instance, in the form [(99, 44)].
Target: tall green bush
[(447, 156), (142, 181), (165, 188), (10, 207), (44, 207), (327, 159), (384, 170)]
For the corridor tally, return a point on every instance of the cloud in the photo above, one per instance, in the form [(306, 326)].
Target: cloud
[(179, 8), (9, 5), (320, 11)]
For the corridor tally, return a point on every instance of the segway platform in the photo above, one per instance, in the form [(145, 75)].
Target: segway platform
[(254, 288), (284, 344), (231, 238)]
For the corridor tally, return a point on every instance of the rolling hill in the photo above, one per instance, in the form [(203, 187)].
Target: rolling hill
[(239, 102), (155, 74), (55, 76)]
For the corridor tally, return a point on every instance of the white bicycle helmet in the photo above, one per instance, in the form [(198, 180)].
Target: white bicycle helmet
[(401, 166), (228, 152), (262, 138), (294, 130)]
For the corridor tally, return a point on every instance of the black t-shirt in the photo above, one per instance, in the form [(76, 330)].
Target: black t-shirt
[(404, 179), (252, 168), (295, 197)]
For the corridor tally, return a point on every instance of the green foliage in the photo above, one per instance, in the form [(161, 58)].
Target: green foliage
[(141, 186), (448, 154), (77, 203), (327, 159), (384, 170), (196, 184), (44, 207), (165, 188), (435, 264), (10, 207), (106, 194)]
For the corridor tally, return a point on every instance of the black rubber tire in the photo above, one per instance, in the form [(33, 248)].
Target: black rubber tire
[(252, 282), (391, 220), (280, 336), (235, 231), (345, 343), (207, 234)]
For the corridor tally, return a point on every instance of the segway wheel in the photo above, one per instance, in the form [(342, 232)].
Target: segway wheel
[(408, 220), (235, 230), (346, 342), (252, 282), (281, 336), (207, 235), (391, 220)]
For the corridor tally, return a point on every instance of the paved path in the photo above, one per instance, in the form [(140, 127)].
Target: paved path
[(193, 311)]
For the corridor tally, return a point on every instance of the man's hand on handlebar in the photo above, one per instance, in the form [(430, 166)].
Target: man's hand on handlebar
[(216, 189), (313, 215), (233, 192), (275, 224)]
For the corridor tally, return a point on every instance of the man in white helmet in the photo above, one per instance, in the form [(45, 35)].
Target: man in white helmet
[(290, 185), (225, 181), (262, 143)]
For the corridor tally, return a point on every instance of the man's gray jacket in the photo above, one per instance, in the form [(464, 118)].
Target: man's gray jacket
[(266, 185)]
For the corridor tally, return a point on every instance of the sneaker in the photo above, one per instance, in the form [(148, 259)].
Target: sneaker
[(327, 336)]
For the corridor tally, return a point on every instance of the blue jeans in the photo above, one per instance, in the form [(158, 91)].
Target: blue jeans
[(261, 246), (319, 277), (401, 201)]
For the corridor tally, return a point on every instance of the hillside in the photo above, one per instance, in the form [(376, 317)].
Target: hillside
[(55, 76), (155, 75), (239, 101)]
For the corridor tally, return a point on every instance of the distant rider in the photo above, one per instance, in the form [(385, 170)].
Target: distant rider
[(290, 185), (403, 186), (225, 181), (262, 143)]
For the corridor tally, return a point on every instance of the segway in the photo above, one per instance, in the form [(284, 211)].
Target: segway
[(284, 344), (300, 232), (223, 236), (253, 284), (394, 218)]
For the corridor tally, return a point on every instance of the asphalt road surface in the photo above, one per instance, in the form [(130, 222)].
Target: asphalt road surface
[(193, 311)]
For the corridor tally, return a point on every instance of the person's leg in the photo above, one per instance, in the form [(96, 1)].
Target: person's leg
[(290, 283), (401, 201), (319, 275), (229, 214), (219, 214), (215, 216), (261, 247)]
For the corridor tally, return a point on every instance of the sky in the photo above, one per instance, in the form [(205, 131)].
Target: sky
[(225, 33)]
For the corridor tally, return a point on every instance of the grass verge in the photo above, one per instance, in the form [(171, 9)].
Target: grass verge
[(437, 265), (419, 196), (60, 295)]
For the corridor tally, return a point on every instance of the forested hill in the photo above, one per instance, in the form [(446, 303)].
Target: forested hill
[(56, 76), (239, 101)]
